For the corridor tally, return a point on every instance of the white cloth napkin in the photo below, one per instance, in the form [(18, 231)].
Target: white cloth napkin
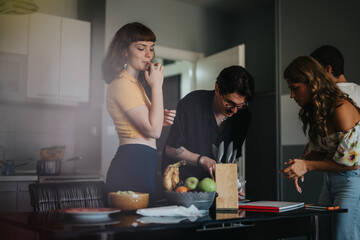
[(170, 211)]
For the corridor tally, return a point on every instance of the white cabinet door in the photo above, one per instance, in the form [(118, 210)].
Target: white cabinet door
[(23, 197), (207, 69), (13, 71), (59, 59), (75, 60), (44, 56), (14, 33)]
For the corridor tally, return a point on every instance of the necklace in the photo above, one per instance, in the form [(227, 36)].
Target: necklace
[(224, 118)]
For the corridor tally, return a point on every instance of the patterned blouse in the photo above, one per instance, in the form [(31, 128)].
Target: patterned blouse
[(345, 146)]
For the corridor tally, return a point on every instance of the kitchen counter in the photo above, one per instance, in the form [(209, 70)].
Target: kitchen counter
[(53, 178), (70, 177), (126, 225)]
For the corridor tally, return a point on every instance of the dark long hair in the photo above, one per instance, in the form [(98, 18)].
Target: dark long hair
[(115, 57)]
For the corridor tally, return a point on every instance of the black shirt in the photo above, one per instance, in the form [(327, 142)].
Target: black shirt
[(195, 128)]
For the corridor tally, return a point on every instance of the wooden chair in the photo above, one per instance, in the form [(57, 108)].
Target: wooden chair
[(49, 197)]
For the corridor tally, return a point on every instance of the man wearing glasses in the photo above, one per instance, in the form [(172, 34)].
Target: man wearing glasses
[(204, 118)]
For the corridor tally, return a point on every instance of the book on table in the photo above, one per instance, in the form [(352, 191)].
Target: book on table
[(270, 206)]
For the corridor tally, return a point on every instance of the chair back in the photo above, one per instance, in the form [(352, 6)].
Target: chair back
[(49, 197)]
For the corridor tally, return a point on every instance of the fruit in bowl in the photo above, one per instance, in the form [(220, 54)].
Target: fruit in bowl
[(128, 200), (200, 194), (191, 192), (182, 189), (192, 183), (207, 185)]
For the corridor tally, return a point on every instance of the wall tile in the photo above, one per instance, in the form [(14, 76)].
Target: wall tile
[(6, 119)]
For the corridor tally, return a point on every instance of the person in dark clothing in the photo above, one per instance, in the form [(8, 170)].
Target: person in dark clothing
[(208, 117)]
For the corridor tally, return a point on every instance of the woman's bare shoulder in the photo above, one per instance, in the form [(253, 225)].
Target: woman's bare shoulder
[(345, 116)]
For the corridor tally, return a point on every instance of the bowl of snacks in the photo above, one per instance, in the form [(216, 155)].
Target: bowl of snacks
[(128, 200)]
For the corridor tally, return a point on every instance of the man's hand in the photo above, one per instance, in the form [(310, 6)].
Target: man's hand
[(209, 165)]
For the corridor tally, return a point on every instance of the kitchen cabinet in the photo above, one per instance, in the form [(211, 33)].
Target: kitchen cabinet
[(14, 33), (13, 76), (23, 198), (8, 195), (14, 197), (44, 57), (13, 56), (59, 59), (74, 61)]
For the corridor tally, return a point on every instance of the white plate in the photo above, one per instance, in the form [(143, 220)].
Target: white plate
[(90, 213), (91, 222)]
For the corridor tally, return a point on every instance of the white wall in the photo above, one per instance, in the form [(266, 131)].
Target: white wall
[(175, 24), (291, 127), (187, 71)]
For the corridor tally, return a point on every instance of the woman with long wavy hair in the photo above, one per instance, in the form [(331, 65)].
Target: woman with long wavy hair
[(127, 68), (331, 121)]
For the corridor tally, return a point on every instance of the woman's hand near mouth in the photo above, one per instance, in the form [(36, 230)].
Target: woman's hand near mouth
[(155, 76)]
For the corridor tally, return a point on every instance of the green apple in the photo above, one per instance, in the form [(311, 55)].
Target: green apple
[(207, 185), (192, 183)]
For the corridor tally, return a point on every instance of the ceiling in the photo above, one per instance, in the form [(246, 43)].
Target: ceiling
[(229, 6)]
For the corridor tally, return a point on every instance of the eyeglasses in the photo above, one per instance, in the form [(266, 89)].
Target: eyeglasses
[(230, 106)]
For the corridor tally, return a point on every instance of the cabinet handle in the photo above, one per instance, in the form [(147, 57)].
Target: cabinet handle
[(46, 95)]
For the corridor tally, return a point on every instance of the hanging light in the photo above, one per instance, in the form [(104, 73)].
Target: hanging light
[(17, 6)]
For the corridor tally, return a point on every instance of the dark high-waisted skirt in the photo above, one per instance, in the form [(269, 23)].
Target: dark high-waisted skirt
[(133, 169)]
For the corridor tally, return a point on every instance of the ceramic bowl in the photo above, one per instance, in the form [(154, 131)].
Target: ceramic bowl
[(128, 202), (201, 200)]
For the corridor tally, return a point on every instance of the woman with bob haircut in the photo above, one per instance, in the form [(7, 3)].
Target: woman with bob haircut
[(127, 68), (331, 121)]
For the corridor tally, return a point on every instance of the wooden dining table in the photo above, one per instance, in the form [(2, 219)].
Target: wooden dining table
[(130, 225)]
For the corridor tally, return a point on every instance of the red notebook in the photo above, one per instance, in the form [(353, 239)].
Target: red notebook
[(270, 206)]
